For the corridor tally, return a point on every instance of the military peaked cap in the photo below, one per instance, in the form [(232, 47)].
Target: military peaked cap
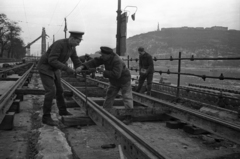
[(76, 34)]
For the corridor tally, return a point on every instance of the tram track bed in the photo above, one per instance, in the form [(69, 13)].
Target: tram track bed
[(152, 134), (176, 143)]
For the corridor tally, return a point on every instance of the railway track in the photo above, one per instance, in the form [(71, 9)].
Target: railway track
[(140, 144), (160, 129), (199, 97), (214, 88), (9, 83)]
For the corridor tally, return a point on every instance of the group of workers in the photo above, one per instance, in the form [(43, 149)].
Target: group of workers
[(54, 61)]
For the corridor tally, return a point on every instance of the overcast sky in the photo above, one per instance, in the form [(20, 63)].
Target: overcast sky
[(97, 18)]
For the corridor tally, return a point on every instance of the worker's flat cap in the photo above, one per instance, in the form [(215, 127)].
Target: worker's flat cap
[(141, 49), (76, 34), (106, 50)]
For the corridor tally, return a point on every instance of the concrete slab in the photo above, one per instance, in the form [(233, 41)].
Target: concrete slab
[(5, 85), (87, 142), (179, 145), (13, 76), (52, 144)]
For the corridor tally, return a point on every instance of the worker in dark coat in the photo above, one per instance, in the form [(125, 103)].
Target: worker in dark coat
[(118, 74), (50, 66), (146, 70), (85, 58)]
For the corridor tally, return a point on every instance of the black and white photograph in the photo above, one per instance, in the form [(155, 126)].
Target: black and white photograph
[(119, 79)]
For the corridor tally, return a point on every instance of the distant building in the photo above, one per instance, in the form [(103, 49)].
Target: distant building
[(219, 28), (200, 28)]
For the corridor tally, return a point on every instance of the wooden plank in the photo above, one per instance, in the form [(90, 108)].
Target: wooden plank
[(139, 114), (26, 91), (77, 120), (9, 79)]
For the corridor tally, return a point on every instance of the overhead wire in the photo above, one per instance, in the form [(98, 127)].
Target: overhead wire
[(26, 18), (73, 8), (53, 13), (35, 23), (69, 14)]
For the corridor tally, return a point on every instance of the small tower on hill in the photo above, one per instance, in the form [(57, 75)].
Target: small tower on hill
[(158, 27)]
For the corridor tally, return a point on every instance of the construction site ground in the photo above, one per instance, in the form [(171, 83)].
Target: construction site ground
[(30, 139)]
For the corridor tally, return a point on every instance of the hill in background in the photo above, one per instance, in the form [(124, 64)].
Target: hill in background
[(189, 41)]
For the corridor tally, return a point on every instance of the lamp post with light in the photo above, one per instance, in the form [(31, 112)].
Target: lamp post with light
[(122, 29)]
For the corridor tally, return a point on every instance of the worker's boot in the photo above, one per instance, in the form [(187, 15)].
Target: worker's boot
[(46, 119), (62, 106), (64, 112), (149, 88)]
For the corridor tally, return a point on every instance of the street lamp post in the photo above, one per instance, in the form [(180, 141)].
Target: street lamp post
[(122, 29), (133, 15), (118, 36)]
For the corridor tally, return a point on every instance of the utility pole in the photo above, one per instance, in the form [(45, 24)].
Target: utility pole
[(43, 41), (65, 28), (53, 39), (118, 28)]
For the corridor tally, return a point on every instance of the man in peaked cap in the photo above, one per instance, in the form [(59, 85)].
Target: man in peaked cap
[(50, 65), (119, 77)]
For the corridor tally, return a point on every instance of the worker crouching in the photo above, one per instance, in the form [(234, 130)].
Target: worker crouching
[(119, 77)]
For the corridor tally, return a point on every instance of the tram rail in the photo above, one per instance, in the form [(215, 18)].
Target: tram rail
[(134, 145), (6, 99), (199, 96), (226, 129)]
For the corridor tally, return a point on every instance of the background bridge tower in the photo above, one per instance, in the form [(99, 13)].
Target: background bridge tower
[(43, 44)]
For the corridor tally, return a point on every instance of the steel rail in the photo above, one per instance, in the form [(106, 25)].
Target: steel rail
[(192, 58), (134, 146), (7, 98), (6, 70), (214, 88), (206, 92), (218, 126), (197, 105)]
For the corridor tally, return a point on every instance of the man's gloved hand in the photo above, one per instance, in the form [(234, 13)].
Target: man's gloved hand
[(70, 71), (79, 69)]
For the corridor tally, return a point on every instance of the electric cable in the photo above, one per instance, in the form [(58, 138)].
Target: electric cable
[(53, 13), (26, 18)]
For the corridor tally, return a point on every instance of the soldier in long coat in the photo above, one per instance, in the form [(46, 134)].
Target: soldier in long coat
[(50, 66)]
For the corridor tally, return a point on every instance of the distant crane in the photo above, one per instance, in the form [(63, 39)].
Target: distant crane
[(43, 48)]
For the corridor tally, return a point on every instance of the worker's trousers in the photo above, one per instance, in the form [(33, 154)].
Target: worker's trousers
[(53, 88), (126, 91), (141, 80)]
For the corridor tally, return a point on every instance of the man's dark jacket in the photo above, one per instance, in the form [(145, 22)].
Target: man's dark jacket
[(146, 62), (56, 57), (115, 69)]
